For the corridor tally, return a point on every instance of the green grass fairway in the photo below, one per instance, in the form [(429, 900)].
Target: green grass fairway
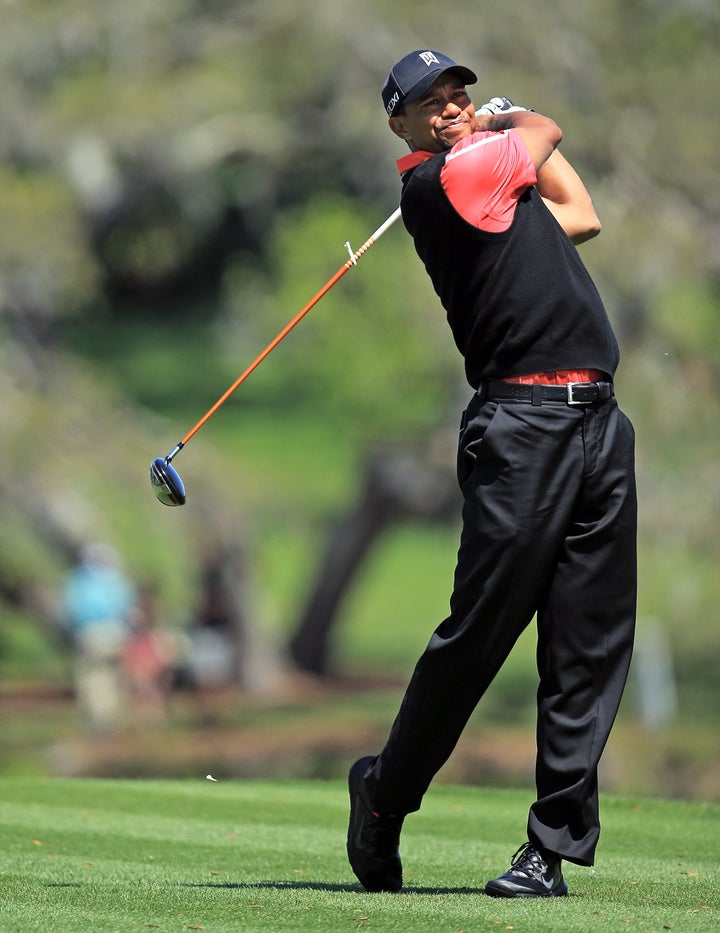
[(90, 856)]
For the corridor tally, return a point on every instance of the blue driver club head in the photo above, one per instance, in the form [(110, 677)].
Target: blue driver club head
[(166, 483)]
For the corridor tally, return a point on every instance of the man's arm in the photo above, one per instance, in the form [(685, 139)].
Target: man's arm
[(541, 134), (558, 183), (567, 199)]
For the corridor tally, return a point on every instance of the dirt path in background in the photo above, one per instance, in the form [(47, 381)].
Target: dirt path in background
[(314, 730)]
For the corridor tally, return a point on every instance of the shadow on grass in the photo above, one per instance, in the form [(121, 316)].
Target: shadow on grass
[(321, 886)]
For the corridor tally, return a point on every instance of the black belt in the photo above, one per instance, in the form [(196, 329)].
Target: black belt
[(573, 393)]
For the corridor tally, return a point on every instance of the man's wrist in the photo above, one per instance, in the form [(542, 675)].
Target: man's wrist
[(505, 121)]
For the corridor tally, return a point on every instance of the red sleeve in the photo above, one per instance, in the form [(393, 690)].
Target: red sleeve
[(484, 175)]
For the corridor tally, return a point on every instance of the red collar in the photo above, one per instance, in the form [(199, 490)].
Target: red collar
[(413, 159)]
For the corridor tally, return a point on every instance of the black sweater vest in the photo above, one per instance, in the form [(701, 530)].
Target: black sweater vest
[(517, 302)]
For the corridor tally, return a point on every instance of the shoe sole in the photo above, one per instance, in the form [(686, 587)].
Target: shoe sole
[(560, 891)]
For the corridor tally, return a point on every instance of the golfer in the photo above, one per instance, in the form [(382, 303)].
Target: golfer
[(545, 464)]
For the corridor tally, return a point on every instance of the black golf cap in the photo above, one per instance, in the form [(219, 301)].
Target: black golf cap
[(412, 76)]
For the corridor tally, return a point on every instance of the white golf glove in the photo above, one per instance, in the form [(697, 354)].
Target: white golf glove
[(499, 105)]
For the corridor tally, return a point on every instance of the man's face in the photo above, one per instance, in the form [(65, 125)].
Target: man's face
[(440, 118)]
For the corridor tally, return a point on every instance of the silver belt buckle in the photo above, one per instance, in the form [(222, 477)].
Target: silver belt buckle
[(571, 385)]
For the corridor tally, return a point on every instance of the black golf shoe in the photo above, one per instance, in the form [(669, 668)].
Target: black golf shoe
[(533, 872), (373, 839)]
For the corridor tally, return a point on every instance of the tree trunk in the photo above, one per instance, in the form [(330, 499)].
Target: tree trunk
[(396, 486)]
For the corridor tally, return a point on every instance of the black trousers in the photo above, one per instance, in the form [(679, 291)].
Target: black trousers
[(549, 530)]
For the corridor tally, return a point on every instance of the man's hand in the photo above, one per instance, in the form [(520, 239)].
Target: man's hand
[(498, 105)]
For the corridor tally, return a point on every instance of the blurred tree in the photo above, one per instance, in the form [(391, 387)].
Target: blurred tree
[(186, 163), (398, 485), (376, 347)]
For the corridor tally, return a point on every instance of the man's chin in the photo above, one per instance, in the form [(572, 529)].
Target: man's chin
[(454, 134)]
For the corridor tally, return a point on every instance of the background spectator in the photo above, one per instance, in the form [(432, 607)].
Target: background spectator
[(98, 603)]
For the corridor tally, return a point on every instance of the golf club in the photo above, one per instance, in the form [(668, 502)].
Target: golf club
[(164, 478)]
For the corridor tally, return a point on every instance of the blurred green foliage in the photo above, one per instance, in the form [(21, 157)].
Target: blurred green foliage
[(178, 178), (357, 355)]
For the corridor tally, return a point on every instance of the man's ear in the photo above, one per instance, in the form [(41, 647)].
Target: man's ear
[(397, 125)]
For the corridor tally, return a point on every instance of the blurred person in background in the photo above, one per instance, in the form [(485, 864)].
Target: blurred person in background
[(98, 602), (148, 660), (214, 648)]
